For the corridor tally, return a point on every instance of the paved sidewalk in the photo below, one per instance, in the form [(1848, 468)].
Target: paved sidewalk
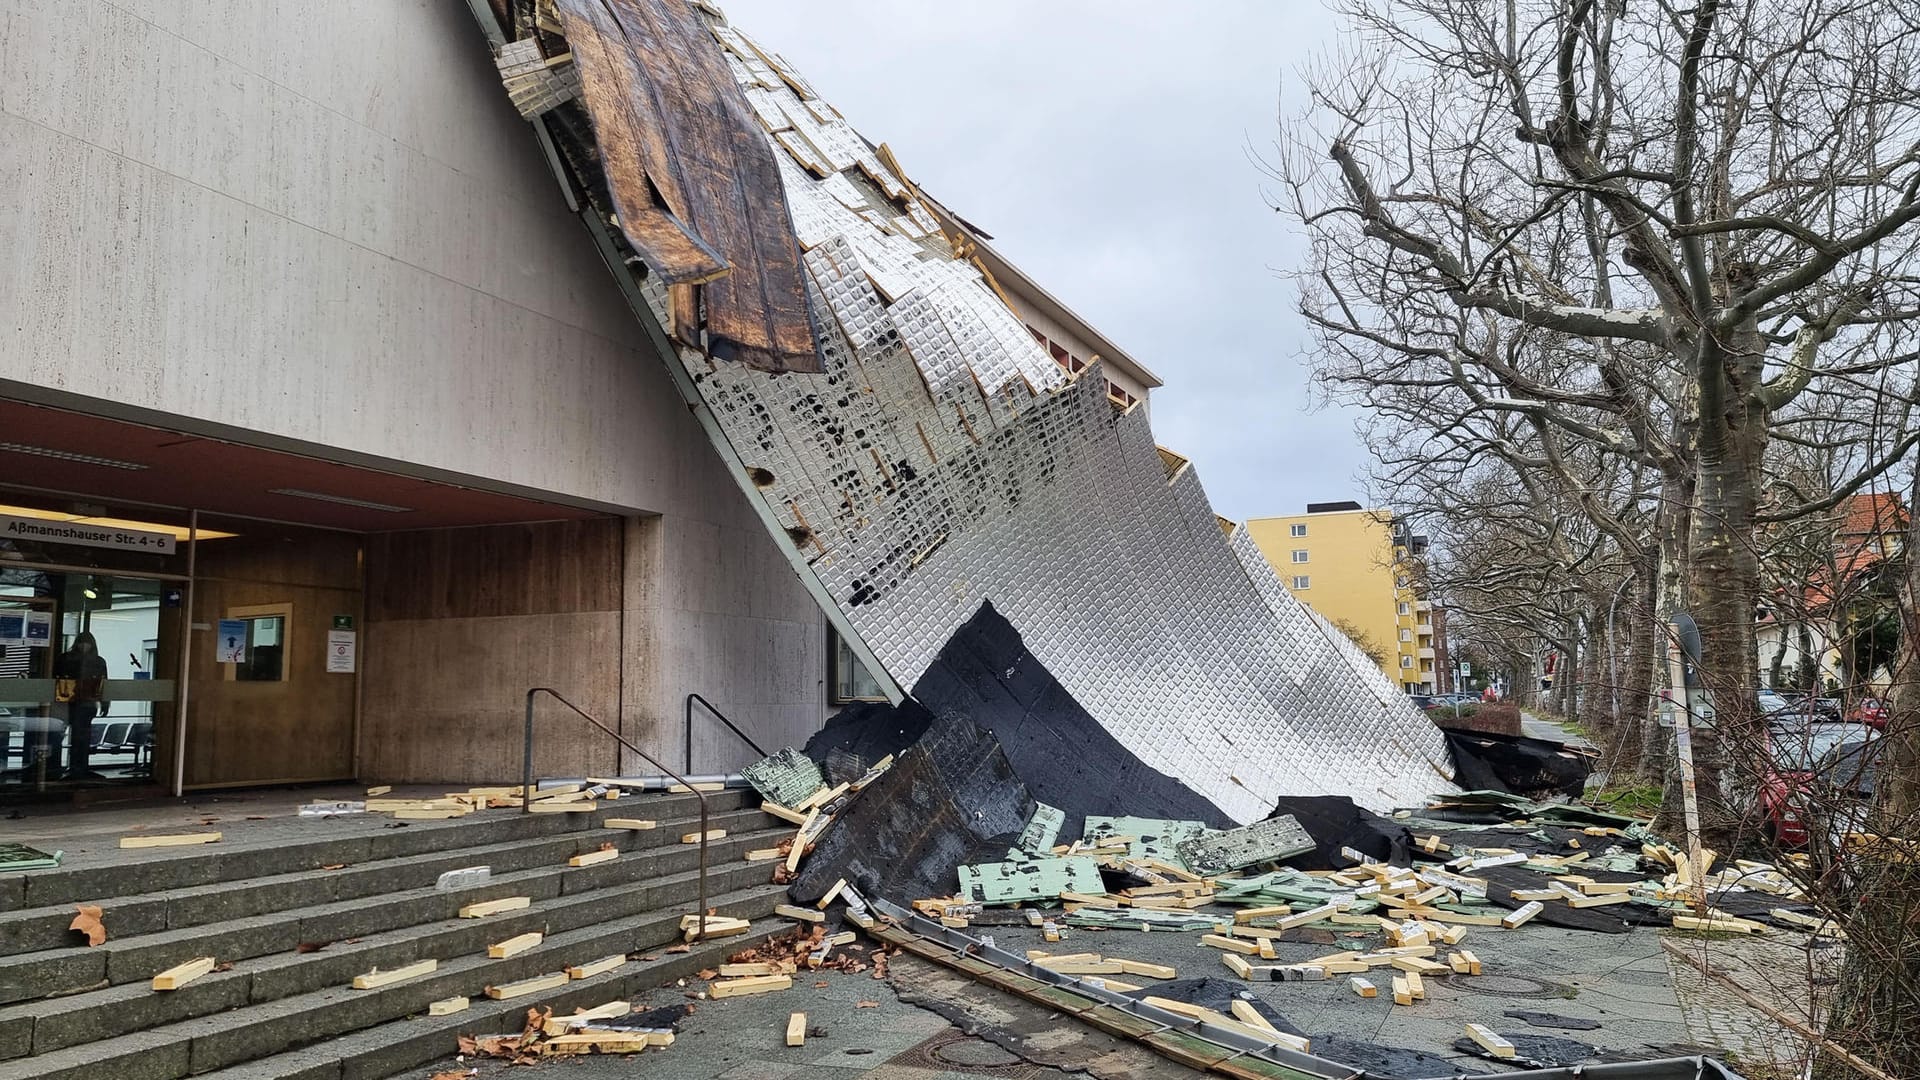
[(1622, 982), (859, 1028), (1534, 727)]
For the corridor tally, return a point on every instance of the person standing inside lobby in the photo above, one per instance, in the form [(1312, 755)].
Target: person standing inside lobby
[(81, 674)]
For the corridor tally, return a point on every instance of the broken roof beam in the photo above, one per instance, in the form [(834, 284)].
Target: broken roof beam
[(669, 118)]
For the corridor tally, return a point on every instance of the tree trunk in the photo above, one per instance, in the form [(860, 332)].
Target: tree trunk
[(1726, 584), (1596, 699), (1627, 751), (1668, 597)]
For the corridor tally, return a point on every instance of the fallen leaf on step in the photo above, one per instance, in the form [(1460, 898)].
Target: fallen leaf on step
[(705, 973), (335, 866), (454, 1074), (679, 948), (88, 922), (819, 986), (651, 957), (311, 946), (228, 966), (866, 1004)]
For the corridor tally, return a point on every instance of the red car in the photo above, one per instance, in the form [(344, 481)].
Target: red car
[(1873, 712), (1813, 767)]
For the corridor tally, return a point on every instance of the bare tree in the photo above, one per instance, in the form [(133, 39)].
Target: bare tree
[(1667, 233)]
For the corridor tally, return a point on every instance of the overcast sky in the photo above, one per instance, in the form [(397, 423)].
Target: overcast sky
[(1105, 148)]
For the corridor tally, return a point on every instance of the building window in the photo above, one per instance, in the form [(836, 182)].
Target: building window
[(1300, 581), (1406, 634), (1297, 530), (1406, 662), (1299, 555), (1406, 608), (258, 653), (849, 677), (1119, 396), (1401, 581)]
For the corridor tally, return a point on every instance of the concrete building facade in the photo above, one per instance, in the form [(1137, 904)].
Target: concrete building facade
[(1360, 569), (290, 291)]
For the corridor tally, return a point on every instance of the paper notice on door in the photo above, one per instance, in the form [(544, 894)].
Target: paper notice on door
[(341, 646), (39, 628), (13, 627)]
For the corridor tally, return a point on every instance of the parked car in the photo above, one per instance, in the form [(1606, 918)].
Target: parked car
[(1872, 711), (1815, 774), (1772, 701)]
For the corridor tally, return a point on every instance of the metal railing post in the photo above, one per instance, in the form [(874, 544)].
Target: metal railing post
[(717, 715), (526, 789)]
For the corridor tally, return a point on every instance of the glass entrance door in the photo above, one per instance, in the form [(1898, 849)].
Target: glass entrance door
[(86, 661)]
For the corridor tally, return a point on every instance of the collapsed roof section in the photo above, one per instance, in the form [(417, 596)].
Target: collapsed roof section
[(941, 461)]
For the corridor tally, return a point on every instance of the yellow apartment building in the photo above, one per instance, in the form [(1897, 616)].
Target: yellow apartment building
[(1358, 569)]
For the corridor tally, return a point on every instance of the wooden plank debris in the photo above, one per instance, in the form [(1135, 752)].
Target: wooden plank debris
[(448, 1006), (710, 835), (380, 790), (596, 967), (1230, 944), (1082, 967), (1402, 993), (792, 911), (793, 817), (1717, 922), (628, 823), (1363, 987), (715, 925), (375, 979), (592, 857), (752, 984), (1192, 1012), (537, 984), (799, 849), (514, 946), (797, 1029), (179, 840), (735, 971), (562, 808), (485, 908), (1520, 915), (1493, 1043), (180, 975), (1472, 961), (581, 1018), (596, 1042)]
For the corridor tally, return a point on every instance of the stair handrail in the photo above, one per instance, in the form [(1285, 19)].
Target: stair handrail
[(717, 715), (526, 787)]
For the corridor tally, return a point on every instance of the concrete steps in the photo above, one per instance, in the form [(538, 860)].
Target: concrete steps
[(279, 1011)]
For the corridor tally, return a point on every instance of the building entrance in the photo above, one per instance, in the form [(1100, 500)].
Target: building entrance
[(91, 627)]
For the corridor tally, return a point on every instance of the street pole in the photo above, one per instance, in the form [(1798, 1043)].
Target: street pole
[(1683, 659)]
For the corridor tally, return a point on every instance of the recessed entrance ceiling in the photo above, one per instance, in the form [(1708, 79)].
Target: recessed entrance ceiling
[(113, 460)]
